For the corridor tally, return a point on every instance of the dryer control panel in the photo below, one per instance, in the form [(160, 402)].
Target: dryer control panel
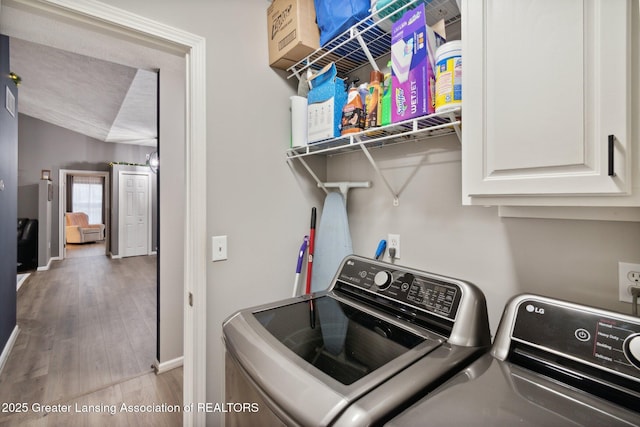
[(427, 292), (598, 338)]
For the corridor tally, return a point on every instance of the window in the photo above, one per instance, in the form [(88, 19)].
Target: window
[(87, 197)]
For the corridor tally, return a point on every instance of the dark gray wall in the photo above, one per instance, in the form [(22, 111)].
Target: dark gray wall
[(43, 145), (8, 200)]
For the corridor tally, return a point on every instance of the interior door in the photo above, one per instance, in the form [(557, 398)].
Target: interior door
[(134, 214)]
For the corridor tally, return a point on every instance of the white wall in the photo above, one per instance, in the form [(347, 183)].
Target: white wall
[(575, 260)]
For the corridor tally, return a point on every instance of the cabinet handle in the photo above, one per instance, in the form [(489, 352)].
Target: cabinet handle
[(611, 146)]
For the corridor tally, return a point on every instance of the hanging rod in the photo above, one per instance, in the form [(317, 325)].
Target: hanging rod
[(344, 187)]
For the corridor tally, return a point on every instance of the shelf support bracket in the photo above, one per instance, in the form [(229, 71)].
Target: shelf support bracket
[(396, 201), (313, 175), (456, 126), (364, 47)]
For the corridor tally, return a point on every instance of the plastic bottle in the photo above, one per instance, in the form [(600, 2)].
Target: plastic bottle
[(373, 106), (363, 89), (386, 97), (353, 112), (448, 91)]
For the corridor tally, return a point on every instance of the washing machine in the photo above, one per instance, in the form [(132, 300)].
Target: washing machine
[(357, 354), (552, 363)]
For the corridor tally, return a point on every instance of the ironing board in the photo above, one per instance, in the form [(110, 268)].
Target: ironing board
[(333, 243)]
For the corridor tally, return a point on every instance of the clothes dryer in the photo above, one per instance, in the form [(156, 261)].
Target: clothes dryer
[(553, 363)]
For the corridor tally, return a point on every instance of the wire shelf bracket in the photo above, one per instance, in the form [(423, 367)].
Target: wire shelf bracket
[(420, 128)]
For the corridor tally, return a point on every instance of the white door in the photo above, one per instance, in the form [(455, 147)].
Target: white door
[(134, 214), (546, 87)]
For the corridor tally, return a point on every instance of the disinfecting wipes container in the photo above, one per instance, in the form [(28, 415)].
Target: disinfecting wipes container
[(449, 76)]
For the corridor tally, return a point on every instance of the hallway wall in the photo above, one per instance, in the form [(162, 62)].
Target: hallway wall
[(42, 145), (8, 202)]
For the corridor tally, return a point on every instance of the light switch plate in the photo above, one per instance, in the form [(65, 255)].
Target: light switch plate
[(218, 248)]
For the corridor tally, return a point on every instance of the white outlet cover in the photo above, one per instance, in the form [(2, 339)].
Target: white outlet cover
[(624, 268), (218, 248)]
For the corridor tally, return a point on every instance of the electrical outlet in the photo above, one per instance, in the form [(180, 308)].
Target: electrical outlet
[(393, 241), (628, 277)]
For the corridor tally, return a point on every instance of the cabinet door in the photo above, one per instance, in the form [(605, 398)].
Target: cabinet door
[(545, 83)]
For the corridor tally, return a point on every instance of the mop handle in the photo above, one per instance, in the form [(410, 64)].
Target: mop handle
[(303, 249), (312, 238)]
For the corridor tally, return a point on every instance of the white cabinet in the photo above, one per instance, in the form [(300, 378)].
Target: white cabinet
[(550, 98)]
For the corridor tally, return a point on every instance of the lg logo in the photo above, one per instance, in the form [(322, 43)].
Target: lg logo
[(533, 309)]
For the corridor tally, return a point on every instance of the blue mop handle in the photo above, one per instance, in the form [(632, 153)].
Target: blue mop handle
[(381, 247)]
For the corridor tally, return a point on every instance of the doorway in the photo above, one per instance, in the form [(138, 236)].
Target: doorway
[(65, 204), (192, 260)]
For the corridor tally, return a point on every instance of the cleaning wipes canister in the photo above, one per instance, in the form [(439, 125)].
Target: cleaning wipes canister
[(449, 76)]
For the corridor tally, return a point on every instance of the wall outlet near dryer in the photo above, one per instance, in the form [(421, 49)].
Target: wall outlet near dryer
[(393, 241), (628, 278)]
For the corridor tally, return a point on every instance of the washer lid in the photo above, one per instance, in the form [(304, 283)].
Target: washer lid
[(315, 357), (340, 340)]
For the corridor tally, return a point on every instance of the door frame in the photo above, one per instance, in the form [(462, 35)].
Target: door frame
[(149, 176), (101, 17), (62, 207)]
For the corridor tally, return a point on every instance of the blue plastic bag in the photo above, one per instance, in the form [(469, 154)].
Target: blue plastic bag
[(336, 16)]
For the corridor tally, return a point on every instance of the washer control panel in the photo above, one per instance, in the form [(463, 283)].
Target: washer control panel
[(602, 339), (424, 291)]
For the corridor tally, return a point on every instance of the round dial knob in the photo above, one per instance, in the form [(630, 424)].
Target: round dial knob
[(632, 349), (382, 279)]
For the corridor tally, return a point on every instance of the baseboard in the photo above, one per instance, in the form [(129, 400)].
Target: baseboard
[(46, 267), (163, 367), (21, 282), (7, 348), (113, 256)]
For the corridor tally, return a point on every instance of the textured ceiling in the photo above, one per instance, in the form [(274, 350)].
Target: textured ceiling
[(100, 99)]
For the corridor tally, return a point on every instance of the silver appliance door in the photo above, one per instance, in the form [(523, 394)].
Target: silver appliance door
[(313, 357)]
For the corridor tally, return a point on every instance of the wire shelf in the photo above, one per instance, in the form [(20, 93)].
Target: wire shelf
[(363, 44), (424, 127), (367, 41)]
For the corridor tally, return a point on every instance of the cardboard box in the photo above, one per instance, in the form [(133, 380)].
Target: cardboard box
[(412, 73), (326, 100), (292, 31)]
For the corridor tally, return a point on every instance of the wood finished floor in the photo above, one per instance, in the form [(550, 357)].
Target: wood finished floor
[(83, 250), (88, 335)]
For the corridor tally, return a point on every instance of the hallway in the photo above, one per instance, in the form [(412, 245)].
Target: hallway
[(87, 330)]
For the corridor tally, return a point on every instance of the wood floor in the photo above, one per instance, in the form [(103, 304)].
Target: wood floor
[(82, 250), (88, 336)]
